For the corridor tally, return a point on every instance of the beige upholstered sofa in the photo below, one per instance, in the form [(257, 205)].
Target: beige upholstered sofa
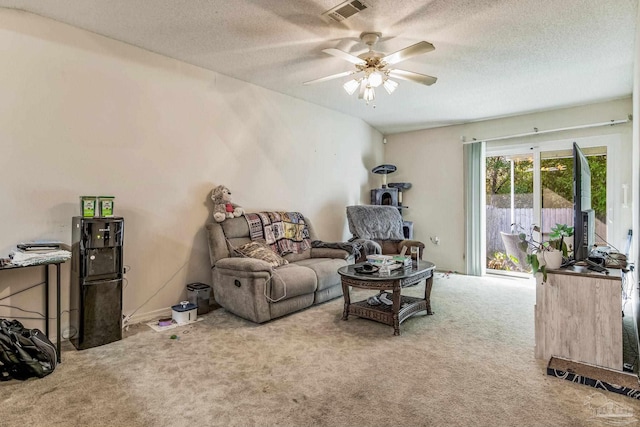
[(255, 290)]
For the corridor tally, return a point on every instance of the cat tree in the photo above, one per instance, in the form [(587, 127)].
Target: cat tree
[(391, 195)]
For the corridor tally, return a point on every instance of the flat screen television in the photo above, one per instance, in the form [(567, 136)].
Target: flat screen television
[(583, 215)]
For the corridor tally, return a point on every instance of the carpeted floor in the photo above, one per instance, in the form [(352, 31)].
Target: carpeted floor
[(470, 364)]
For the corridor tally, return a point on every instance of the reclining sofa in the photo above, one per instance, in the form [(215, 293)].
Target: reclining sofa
[(256, 290)]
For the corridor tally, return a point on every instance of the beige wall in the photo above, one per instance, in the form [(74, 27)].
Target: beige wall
[(82, 114), (432, 161), (635, 248)]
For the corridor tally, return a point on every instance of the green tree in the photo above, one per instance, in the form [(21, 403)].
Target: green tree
[(498, 175), (598, 167), (557, 175), (498, 170)]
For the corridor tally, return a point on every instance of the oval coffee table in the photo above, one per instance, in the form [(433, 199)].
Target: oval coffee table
[(403, 306)]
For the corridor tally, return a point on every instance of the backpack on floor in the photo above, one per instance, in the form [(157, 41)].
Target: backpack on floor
[(24, 353)]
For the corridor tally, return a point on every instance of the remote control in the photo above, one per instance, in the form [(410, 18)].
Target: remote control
[(596, 267)]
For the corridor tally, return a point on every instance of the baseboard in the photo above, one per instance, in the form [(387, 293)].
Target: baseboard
[(149, 315), (594, 376), (159, 313)]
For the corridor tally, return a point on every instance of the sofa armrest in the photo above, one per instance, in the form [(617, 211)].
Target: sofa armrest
[(240, 284), (329, 253), (244, 264)]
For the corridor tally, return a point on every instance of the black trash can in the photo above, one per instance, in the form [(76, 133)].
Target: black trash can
[(199, 294)]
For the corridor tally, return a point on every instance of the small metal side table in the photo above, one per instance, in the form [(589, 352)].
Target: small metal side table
[(47, 282), (403, 306)]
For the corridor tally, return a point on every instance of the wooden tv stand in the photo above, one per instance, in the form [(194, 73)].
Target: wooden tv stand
[(578, 316)]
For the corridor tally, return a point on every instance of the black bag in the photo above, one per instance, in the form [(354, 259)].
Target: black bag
[(24, 353)]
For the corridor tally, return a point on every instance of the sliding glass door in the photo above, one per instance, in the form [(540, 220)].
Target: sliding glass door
[(509, 208), (527, 186)]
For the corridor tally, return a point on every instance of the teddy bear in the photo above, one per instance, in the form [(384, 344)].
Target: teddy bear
[(222, 206)]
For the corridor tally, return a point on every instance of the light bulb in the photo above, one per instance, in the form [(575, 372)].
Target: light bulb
[(351, 86), (369, 94), (363, 84), (375, 79), (390, 86)]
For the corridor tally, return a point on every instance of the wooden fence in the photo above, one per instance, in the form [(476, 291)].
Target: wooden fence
[(499, 219)]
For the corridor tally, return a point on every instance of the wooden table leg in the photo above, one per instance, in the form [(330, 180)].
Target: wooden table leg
[(396, 308), (427, 293), (347, 301)]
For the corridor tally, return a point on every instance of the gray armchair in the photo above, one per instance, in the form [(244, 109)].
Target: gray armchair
[(379, 229)]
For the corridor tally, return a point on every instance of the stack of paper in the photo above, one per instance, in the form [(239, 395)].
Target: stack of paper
[(22, 258)]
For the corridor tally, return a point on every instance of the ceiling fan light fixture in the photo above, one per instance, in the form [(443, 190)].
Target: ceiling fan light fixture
[(351, 86), (389, 86), (369, 94), (375, 79), (373, 68)]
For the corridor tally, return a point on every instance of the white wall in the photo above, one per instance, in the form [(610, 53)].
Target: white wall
[(82, 114), (635, 254), (432, 161)]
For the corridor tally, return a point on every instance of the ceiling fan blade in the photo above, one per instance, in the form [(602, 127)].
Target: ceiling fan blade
[(412, 77), (344, 55), (331, 77), (408, 52)]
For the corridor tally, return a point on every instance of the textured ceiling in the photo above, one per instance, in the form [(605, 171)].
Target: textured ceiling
[(493, 57)]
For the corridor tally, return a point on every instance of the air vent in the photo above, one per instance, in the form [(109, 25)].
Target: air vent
[(345, 10)]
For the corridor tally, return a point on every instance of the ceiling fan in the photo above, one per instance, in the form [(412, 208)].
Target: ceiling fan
[(373, 68)]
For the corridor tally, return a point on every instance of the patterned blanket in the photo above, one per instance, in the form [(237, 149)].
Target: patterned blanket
[(284, 232)]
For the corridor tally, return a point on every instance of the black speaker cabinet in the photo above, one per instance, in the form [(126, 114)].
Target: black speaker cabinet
[(96, 281)]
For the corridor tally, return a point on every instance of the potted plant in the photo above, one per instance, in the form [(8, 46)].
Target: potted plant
[(556, 238), (543, 255)]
